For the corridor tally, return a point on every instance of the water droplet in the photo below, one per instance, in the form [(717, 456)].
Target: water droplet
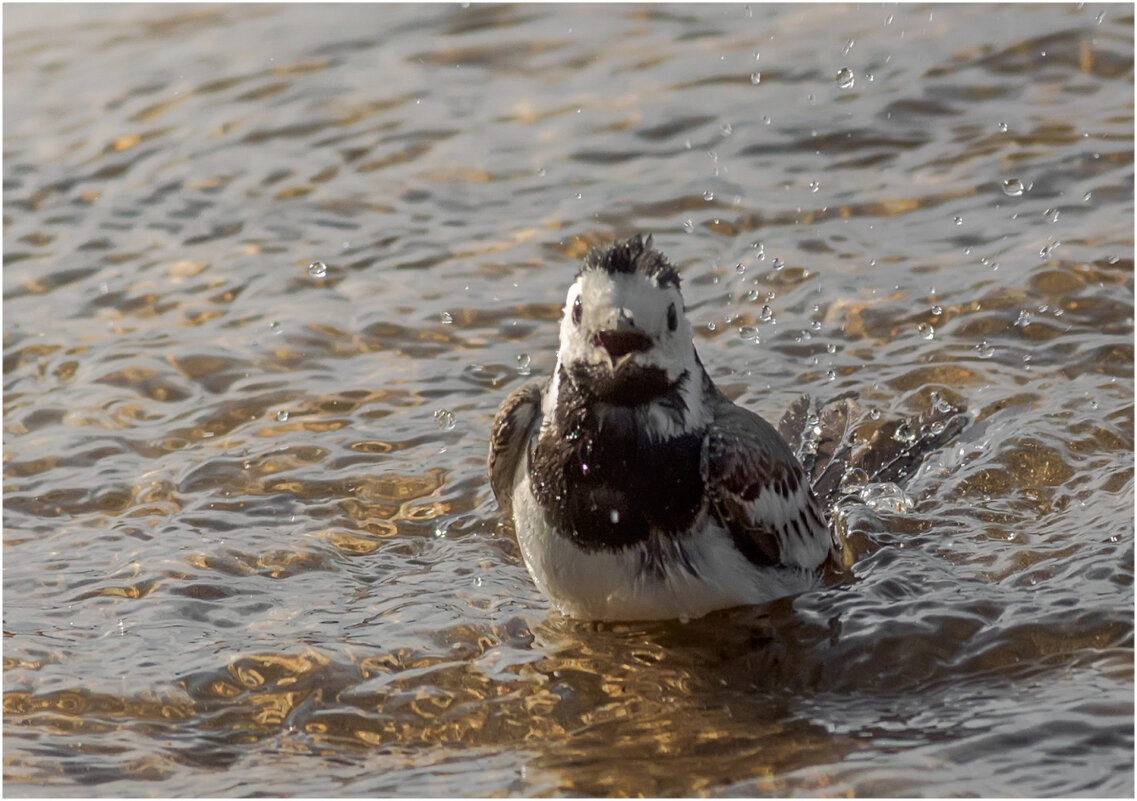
[(937, 311), (1047, 249), (984, 350), (1024, 319), (958, 220), (318, 269), (1012, 187), (830, 348), (445, 318), (874, 414), (1100, 17), (1003, 128), (282, 416), (445, 419), (766, 119), (845, 78), (579, 195), (1051, 215), (778, 265), (926, 331), (766, 315), (749, 333), (1087, 196), (904, 434), (688, 225), (614, 516), (708, 196), (585, 469), (853, 481), (542, 172), (477, 581), (711, 326), (755, 78), (726, 128), (848, 46), (814, 186), (523, 362), (740, 268)]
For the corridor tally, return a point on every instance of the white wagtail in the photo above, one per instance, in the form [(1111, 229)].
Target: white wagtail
[(638, 490)]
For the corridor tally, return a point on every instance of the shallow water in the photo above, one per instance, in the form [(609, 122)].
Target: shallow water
[(249, 541)]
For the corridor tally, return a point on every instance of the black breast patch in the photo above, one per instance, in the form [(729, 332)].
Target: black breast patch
[(606, 484)]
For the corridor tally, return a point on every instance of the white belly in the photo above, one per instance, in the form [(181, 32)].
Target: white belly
[(613, 585)]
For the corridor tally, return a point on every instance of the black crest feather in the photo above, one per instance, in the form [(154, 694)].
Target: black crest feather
[(631, 255)]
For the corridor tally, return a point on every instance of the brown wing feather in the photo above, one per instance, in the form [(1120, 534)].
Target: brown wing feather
[(511, 429)]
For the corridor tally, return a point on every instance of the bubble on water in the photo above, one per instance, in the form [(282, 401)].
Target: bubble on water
[(1051, 215), (317, 269), (755, 78), (778, 265), (445, 419), (1012, 187), (814, 186), (984, 350), (926, 331), (845, 78), (749, 333), (523, 364), (282, 416), (1003, 128), (766, 315), (886, 497)]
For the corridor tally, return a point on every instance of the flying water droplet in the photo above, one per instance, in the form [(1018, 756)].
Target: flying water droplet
[(1047, 249), (318, 269), (445, 318), (886, 497), (778, 265), (1003, 128), (958, 220), (708, 196), (814, 186), (688, 225), (845, 78), (1086, 197), (1024, 319), (937, 311), (766, 315), (984, 350), (614, 516), (926, 331), (1051, 215), (445, 419), (904, 434), (523, 364), (1012, 187), (282, 416), (726, 129), (755, 78)]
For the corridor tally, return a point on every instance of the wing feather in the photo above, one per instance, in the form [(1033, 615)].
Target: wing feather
[(760, 493), (513, 425)]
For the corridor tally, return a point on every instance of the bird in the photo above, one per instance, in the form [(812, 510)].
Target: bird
[(638, 491)]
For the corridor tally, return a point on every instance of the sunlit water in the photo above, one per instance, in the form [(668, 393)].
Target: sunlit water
[(268, 272)]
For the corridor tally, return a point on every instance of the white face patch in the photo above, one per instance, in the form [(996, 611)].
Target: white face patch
[(603, 298)]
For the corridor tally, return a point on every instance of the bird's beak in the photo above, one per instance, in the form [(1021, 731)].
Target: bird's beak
[(621, 343)]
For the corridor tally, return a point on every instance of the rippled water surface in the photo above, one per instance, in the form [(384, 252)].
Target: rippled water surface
[(269, 270)]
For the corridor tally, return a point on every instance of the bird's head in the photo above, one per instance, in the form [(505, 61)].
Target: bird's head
[(624, 337)]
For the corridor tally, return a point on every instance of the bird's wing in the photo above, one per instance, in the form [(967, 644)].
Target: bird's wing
[(512, 427), (760, 493)]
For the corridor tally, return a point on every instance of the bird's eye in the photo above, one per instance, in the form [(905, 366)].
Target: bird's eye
[(672, 317), (577, 310)]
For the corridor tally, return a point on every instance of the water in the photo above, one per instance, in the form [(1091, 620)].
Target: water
[(250, 545)]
